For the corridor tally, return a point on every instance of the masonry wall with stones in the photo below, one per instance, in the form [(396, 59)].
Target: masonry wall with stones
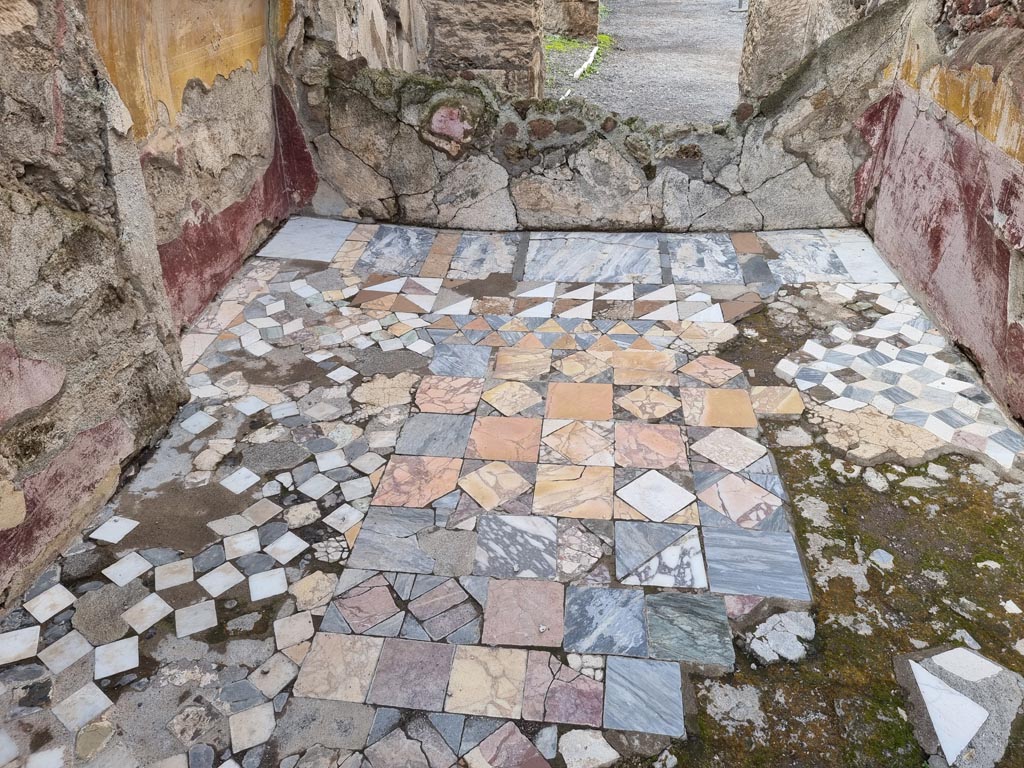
[(89, 362), (961, 18), (459, 153), (572, 18)]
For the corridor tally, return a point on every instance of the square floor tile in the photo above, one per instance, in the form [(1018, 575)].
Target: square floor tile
[(416, 481), (434, 434), (62, 654), (147, 612), (129, 567), (82, 707), (448, 394), (494, 484), (742, 562), (690, 628), (195, 618), (588, 443), (116, 657), (512, 397), (717, 407), (711, 370), (48, 604), (644, 366), (653, 446), (522, 612), (460, 360), (18, 644), (389, 541), (286, 548), (659, 555), (487, 682), (568, 491), (220, 579), (412, 675), (605, 620), (338, 667), (502, 438), (515, 546), (586, 402), (643, 695), (522, 364)]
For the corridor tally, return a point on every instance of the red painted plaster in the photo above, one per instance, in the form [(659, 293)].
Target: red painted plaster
[(946, 211), (209, 251)]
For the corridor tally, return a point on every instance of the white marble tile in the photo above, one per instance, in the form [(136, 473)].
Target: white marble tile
[(19, 644), (116, 657), (173, 574), (240, 480), (82, 707), (656, 496), (147, 612), (64, 652), (221, 579), (240, 544), (305, 238), (129, 567), (955, 718), (47, 758), (286, 548), (115, 529), (48, 604), (267, 584), (966, 664), (195, 618), (859, 255), (198, 422)]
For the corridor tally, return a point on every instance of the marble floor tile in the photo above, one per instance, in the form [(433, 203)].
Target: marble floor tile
[(644, 695), (147, 612), (651, 446), (556, 693), (690, 628), (605, 620), (512, 397), (82, 707), (583, 402), (524, 613), (487, 681), (729, 449), (48, 604), (412, 675), (494, 484), (251, 727), (512, 546), (580, 366), (656, 496), (593, 257), (460, 360), (61, 654), (367, 604), (480, 254), (507, 747), (18, 644), (448, 394), (434, 434), (804, 256), (648, 403), (717, 408), (338, 667), (396, 250), (679, 563), (742, 501), (119, 656), (570, 491), (522, 364), (705, 258), (711, 370), (389, 541), (742, 562), (587, 443), (304, 238), (776, 401), (501, 438), (416, 481), (195, 618)]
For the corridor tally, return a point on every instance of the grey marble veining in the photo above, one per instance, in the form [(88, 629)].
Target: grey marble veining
[(643, 695), (480, 254), (605, 620), (396, 250), (690, 628), (679, 565), (805, 256), (387, 541), (594, 257), (435, 434), (460, 360), (637, 542), (511, 546), (742, 562), (703, 258)]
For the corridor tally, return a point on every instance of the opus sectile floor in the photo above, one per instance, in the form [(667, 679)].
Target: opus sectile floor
[(443, 496)]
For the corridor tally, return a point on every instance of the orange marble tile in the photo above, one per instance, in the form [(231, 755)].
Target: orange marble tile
[(713, 371), (648, 403), (652, 446), (449, 394), (501, 438), (585, 402), (717, 407), (415, 481), (568, 491), (776, 401), (644, 366)]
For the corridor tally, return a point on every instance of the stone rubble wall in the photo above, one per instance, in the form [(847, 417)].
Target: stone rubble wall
[(407, 148), (572, 18), (961, 18), (943, 193), (89, 362)]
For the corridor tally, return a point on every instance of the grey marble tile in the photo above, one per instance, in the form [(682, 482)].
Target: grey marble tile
[(703, 258), (480, 254), (643, 695), (637, 542), (388, 541), (690, 628), (460, 360), (308, 239), (435, 434), (742, 562), (594, 257), (509, 546), (678, 565), (396, 250), (605, 620), (805, 256)]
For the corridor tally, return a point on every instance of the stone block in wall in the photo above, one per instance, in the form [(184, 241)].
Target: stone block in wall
[(499, 40), (572, 18)]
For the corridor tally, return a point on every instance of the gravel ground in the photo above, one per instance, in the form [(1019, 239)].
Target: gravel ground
[(673, 61)]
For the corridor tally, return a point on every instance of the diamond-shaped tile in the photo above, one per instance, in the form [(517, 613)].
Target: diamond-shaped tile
[(729, 449), (578, 442), (581, 366), (655, 496), (711, 370), (648, 403), (742, 501)]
